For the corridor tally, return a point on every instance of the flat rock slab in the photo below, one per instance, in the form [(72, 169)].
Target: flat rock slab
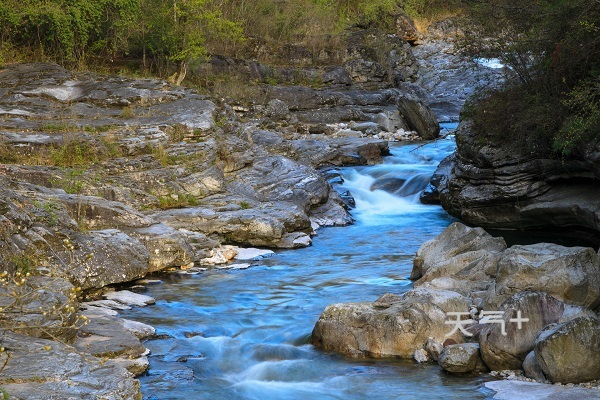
[(41, 369), (510, 390), (107, 336), (129, 298), (252, 254)]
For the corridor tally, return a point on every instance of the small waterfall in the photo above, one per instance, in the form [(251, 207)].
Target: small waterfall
[(392, 189)]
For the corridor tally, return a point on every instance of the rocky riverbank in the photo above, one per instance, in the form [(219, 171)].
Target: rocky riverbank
[(105, 179), (479, 306)]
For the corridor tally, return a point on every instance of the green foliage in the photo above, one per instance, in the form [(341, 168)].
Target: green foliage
[(66, 30), (165, 34), (71, 181), (74, 152), (177, 200), (21, 263), (50, 209), (553, 50), (583, 123)]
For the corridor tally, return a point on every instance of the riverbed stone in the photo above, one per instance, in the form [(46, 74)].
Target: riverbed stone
[(39, 368), (532, 369), (508, 351), (129, 298), (570, 352), (363, 330), (570, 274), (461, 358), (460, 258)]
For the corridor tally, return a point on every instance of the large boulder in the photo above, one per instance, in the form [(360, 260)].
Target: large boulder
[(570, 352), (419, 117), (390, 328), (507, 350), (460, 258), (570, 274)]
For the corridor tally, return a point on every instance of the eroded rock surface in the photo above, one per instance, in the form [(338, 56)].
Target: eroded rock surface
[(492, 182)]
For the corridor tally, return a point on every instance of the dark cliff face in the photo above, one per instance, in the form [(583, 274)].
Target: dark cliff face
[(496, 182)]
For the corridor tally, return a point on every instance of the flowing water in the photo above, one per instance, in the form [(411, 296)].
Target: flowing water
[(244, 334)]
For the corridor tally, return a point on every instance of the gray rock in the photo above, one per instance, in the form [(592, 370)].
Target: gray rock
[(459, 254), (532, 369), (421, 356), (166, 246), (508, 351), (461, 358), (365, 330), (39, 369), (277, 109), (106, 336), (570, 274), (419, 117), (512, 389), (129, 298), (105, 257), (570, 352), (433, 348), (493, 184), (41, 307)]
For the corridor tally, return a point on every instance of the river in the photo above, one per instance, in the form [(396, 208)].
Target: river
[(244, 334)]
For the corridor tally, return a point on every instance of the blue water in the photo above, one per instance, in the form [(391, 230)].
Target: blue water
[(244, 334)]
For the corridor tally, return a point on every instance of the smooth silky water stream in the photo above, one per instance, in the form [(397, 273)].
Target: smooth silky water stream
[(244, 334)]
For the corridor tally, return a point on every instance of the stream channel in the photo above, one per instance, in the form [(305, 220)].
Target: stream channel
[(245, 334)]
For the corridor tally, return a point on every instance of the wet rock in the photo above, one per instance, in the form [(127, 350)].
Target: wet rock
[(507, 350), (570, 352), (461, 358), (570, 274), (40, 367), (361, 329), (252, 254), (421, 356)]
